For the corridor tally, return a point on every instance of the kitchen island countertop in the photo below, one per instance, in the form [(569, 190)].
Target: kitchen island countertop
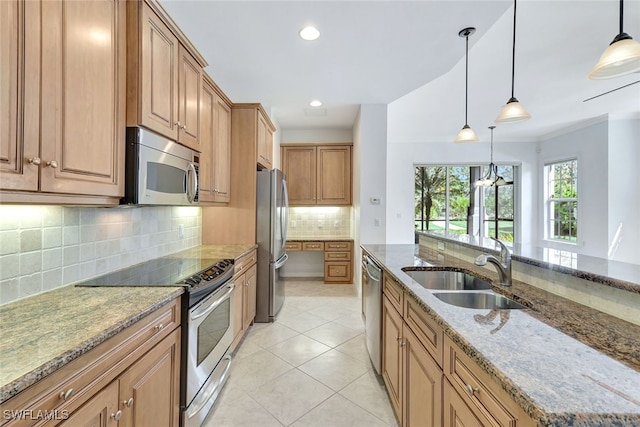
[(548, 359)]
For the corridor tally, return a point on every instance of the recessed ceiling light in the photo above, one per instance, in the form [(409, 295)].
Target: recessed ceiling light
[(315, 103), (309, 33)]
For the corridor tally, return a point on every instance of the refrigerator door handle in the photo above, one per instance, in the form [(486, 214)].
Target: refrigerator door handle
[(284, 228), (279, 263)]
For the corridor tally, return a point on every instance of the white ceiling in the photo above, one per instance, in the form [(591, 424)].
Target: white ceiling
[(408, 54)]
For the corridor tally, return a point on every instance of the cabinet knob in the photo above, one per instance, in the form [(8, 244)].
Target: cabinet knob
[(117, 415), (159, 327), (128, 403), (184, 127), (472, 390), (64, 395), (52, 164), (35, 161), (179, 124)]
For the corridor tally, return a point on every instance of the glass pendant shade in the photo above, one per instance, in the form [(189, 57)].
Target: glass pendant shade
[(466, 135), (620, 58), (512, 112)]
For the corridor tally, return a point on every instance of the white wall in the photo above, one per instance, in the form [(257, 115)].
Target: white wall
[(317, 135), (401, 161)]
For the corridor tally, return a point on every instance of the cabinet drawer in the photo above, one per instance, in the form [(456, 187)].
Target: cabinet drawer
[(393, 291), (313, 246), (293, 246), (245, 261), (337, 246), (485, 399), (337, 272), (428, 332), (337, 256), (72, 385)]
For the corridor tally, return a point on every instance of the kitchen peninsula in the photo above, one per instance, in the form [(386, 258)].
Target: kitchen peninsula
[(557, 363)]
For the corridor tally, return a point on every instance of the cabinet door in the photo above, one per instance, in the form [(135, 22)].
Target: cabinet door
[(249, 300), (83, 97), (207, 142), (265, 142), (337, 271), (456, 411), (100, 411), (423, 385), (299, 165), (159, 76), (222, 151), (334, 175), (189, 89), (18, 143), (150, 388), (392, 355), (238, 305)]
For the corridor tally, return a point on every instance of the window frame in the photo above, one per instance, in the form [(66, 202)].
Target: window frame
[(548, 201)]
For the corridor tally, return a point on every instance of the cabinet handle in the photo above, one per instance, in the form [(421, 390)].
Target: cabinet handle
[(35, 161), (52, 164), (179, 125), (128, 403), (159, 327), (64, 395), (117, 415), (471, 390)]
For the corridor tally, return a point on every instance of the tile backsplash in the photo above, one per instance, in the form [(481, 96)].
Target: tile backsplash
[(320, 221), (45, 247)]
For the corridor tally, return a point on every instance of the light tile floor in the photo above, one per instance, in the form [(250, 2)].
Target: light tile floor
[(309, 368)]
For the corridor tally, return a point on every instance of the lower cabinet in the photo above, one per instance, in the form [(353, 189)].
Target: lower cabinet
[(132, 379), (244, 295), (338, 257), (429, 379)]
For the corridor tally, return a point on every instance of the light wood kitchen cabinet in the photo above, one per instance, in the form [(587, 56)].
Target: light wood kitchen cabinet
[(338, 262), (163, 76), (215, 141), (67, 143), (456, 413), (412, 377), (244, 303), (317, 174), (265, 142), (141, 362)]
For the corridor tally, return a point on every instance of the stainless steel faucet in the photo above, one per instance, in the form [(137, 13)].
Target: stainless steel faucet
[(503, 264)]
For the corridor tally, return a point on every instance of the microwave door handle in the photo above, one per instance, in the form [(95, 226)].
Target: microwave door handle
[(191, 196)]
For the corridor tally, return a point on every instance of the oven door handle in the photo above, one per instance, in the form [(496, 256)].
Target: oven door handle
[(197, 407), (203, 311)]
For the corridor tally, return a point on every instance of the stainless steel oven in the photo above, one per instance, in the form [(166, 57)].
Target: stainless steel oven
[(210, 334)]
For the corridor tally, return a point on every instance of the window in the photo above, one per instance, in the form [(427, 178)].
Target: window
[(561, 193), (446, 199)]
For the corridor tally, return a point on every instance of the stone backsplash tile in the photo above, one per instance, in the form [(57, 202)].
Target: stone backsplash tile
[(320, 221)]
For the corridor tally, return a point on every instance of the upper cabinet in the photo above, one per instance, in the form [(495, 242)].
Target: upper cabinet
[(265, 141), (56, 139), (215, 140), (164, 76), (317, 174)]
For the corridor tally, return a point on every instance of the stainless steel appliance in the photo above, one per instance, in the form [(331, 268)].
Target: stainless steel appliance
[(206, 319), (159, 171), (272, 215), (373, 311)]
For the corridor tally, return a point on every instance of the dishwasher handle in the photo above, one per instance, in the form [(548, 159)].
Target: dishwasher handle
[(373, 271)]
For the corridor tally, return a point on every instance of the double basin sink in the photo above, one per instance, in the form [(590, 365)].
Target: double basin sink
[(461, 289)]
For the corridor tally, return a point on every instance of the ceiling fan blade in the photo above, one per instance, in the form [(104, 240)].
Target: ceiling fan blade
[(612, 90)]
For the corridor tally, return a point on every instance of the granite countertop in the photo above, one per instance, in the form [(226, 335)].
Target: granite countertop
[(563, 363), (42, 333)]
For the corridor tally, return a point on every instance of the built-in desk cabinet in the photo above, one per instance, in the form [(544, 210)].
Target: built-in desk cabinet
[(338, 257), (54, 74), (130, 380)]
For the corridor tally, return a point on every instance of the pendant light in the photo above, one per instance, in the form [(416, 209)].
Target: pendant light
[(466, 134), (513, 111), (491, 178), (620, 58)]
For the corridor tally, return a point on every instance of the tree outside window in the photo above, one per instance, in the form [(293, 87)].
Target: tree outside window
[(562, 201)]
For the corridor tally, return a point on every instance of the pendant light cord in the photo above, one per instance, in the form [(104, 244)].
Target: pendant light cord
[(513, 52), (466, 80), (621, 16)]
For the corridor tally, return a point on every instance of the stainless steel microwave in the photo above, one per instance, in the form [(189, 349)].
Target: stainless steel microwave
[(159, 171)]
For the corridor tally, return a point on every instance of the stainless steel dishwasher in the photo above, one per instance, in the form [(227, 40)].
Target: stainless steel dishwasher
[(373, 311)]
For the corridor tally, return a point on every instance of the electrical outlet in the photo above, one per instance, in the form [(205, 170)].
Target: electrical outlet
[(181, 231), (294, 223), (376, 222), (336, 224), (320, 223)]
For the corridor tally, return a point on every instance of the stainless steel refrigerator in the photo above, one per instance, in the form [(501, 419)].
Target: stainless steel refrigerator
[(272, 215)]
